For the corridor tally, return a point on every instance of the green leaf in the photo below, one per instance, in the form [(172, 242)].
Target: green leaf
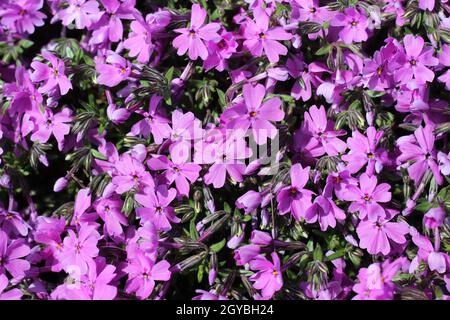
[(221, 95), (200, 273), (193, 233), (324, 50), (318, 255), (24, 43), (338, 254), (98, 155), (424, 206), (218, 246), (169, 74)]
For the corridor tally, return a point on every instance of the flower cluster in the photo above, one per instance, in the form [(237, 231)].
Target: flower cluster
[(259, 149)]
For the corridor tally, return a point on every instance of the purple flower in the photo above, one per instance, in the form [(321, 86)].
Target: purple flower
[(48, 123), (139, 42), (131, 174), (269, 277), (367, 196), (114, 71), (376, 236), (191, 39), (375, 282), (437, 261), (419, 149), (13, 294), (156, 207), (13, 222), (295, 198), (259, 37), (24, 95), (109, 26), (23, 15), (412, 62), (11, 253), (325, 211), (434, 217), (378, 71), (354, 25), (95, 285), (339, 181), (426, 4), (154, 122), (364, 151), (185, 128), (53, 76), (316, 136), (220, 51), (309, 10), (244, 254), (254, 114), (81, 11), (79, 250), (249, 201), (227, 158), (142, 274), (109, 210), (181, 173)]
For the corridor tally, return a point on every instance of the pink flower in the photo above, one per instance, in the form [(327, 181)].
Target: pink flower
[(142, 274), (81, 11), (11, 254), (434, 217), (295, 198), (109, 26), (354, 25), (114, 71), (110, 211), (13, 294), (426, 4), (23, 15), (79, 250), (156, 207), (228, 158), (53, 76), (181, 173), (185, 128), (317, 135), (412, 63), (12, 222), (375, 282), (269, 277), (131, 174), (339, 181), (367, 197), (325, 211), (254, 114), (249, 201), (154, 122), (419, 149), (48, 123), (375, 236), (220, 51), (139, 41), (260, 38), (191, 38), (24, 96), (437, 261), (95, 285), (364, 151)]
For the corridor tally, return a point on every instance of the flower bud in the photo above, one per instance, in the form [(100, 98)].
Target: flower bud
[(60, 184)]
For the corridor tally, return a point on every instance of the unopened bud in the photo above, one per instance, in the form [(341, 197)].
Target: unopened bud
[(60, 184)]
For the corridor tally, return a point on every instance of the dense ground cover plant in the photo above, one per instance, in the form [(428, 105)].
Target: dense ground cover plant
[(257, 149)]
